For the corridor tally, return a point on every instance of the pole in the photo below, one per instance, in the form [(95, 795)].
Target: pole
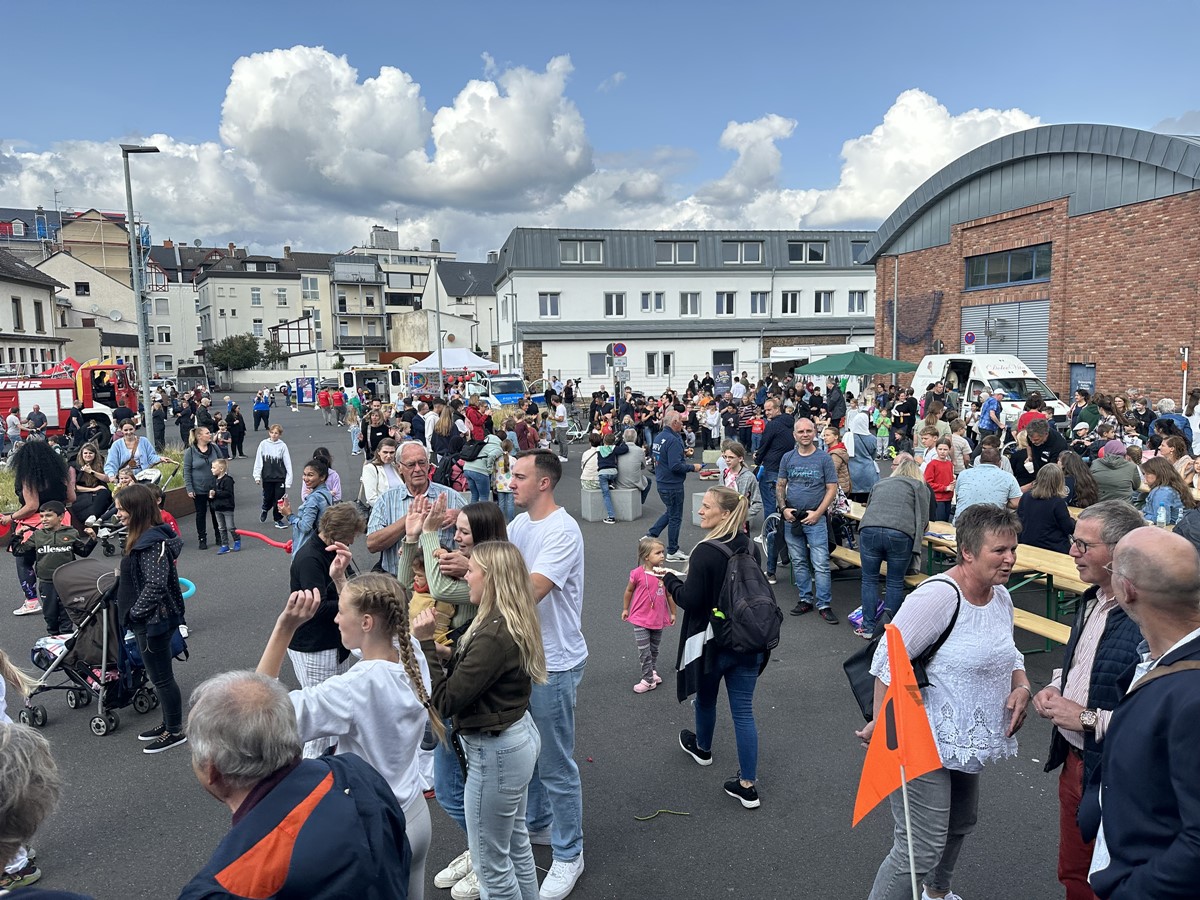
[(912, 864), (437, 306), (895, 306), (1186, 353), (135, 264)]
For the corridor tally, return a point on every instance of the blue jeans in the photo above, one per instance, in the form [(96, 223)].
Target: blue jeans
[(740, 672), (809, 545), (499, 768), (876, 545), (448, 781), (507, 505), (555, 792), (355, 432), (607, 477), (671, 518), (480, 484)]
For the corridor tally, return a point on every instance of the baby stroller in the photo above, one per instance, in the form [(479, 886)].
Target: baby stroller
[(95, 662), (109, 532)]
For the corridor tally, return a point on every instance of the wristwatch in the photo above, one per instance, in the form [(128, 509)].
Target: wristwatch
[(1088, 719)]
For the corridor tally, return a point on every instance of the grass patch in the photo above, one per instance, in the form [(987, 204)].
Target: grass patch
[(172, 475)]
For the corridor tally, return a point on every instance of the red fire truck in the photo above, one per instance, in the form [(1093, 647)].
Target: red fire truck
[(100, 387)]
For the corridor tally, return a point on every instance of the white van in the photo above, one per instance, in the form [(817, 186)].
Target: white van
[(975, 376)]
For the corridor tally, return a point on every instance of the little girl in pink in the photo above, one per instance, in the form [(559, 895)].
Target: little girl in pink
[(649, 609)]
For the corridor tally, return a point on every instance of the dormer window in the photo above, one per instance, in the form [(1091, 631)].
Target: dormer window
[(270, 267), (251, 267), (18, 228), (588, 253)]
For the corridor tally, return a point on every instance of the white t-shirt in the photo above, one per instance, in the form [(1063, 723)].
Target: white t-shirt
[(738, 390), (560, 415), (430, 420), (373, 711), (13, 423), (553, 548)]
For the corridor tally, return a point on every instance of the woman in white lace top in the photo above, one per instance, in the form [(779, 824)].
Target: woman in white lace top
[(975, 701)]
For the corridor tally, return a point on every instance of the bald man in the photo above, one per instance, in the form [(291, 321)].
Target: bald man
[(1148, 805)]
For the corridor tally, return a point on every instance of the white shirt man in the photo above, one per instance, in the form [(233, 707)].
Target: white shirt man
[(738, 390)]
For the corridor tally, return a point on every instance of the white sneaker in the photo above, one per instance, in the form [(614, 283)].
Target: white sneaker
[(950, 895), (28, 608), (561, 878), (458, 869), (467, 889), (563, 459), (677, 556)]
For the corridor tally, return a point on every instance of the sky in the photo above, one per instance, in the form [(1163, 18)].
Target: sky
[(305, 123)]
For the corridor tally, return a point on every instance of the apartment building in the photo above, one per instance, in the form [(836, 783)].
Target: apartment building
[(28, 343)]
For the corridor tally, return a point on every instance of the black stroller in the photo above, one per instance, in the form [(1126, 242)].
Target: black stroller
[(95, 661)]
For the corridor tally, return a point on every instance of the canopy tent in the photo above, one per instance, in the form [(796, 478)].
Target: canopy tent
[(855, 364), (457, 359)]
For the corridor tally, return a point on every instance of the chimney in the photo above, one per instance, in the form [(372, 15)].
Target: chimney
[(435, 246), (287, 251), (169, 244), (232, 248), (493, 256)]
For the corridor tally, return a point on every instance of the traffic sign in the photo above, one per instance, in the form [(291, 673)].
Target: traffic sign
[(622, 375), (969, 338), (619, 349), (621, 362)]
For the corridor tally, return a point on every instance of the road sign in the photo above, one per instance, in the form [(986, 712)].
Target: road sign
[(619, 349), (621, 362), (969, 338), (622, 375)]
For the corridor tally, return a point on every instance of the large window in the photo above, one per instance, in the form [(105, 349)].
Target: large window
[(725, 302), (163, 334), (256, 296), (39, 317), (257, 327), (281, 296), (548, 306), (614, 306), (308, 288), (790, 303), (651, 365), (689, 303), (18, 315), (858, 302), (597, 365), (760, 303), (747, 253), (803, 252), (675, 253), (589, 253), (823, 302), (1022, 266), (162, 306), (654, 301)]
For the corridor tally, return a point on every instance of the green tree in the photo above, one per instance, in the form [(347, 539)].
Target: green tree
[(339, 362), (272, 353), (238, 351)]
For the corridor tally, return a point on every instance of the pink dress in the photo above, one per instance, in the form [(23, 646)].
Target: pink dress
[(649, 607)]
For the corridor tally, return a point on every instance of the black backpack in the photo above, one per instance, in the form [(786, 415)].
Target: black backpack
[(747, 618), (471, 450)]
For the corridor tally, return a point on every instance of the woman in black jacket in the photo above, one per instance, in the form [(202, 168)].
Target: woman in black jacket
[(702, 665), (373, 430), (237, 431), (150, 603), (1045, 520)]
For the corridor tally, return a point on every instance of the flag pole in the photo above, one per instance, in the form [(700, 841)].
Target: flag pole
[(912, 865)]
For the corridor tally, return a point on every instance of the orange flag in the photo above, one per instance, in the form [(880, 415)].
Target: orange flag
[(902, 734)]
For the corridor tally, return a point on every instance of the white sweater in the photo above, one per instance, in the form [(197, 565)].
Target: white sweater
[(372, 711)]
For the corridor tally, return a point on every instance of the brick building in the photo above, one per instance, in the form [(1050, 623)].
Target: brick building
[(1075, 247)]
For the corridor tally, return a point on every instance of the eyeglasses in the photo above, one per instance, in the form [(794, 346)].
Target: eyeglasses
[(1084, 546), (414, 463)]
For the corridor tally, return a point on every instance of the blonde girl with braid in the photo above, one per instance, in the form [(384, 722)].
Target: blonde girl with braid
[(485, 689), (20, 870), (380, 707)]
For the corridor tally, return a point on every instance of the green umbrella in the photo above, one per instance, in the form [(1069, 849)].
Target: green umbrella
[(855, 364)]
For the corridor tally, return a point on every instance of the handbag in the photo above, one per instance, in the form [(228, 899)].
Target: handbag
[(363, 506), (858, 666)]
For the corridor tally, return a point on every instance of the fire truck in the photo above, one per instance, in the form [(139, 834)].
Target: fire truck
[(100, 386)]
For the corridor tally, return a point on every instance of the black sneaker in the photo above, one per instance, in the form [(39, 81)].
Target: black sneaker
[(801, 608), (203, 543), (687, 740), (747, 795), (262, 516), (153, 734), (165, 742), (282, 523), (610, 521), (828, 615)]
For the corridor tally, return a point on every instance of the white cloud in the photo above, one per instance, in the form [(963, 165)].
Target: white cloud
[(612, 81), (1187, 123), (312, 154)]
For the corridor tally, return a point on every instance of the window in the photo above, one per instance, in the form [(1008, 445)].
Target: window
[(675, 253), (256, 296), (343, 329), (232, 292), (221, 313), (256, 327), (163, 363), (233, 313), (271, 267), (199, 332), (823, 302), (858, 251), (341, 302), (800, 252), (741, 252), (689, 303), (504, 309), (308, 288), (83, 289), (220, 292), (614, 306), (858, 302), (163, 334), (790, 303), (371, 327), (651, 365), (281, 296), (39, 317), (548, 306), (668, 364), (654, 301), (370, 301), (1027, 264), (18, 315), (725, 302), (162, 306), (597, 365), (251, 267), (18, 228), (760, 303), (589, 253)]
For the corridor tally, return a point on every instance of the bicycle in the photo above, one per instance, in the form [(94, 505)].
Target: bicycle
[(576, 430)]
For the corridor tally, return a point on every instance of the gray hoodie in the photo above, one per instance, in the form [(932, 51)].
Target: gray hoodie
[(1117, 477)]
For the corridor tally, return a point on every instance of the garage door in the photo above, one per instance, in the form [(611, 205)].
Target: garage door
[(1020, 329)]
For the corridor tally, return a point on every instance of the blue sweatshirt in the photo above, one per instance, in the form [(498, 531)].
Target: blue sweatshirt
[(776, 440), (670, 468)]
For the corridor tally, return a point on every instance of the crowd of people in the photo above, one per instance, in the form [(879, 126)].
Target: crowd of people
[(450, 671)]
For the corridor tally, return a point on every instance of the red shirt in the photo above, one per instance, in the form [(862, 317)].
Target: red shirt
[(323, 398), (1028, 416), (939, 475)]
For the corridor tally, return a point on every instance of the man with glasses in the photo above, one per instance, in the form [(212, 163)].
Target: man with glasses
[(385, 531), (1081, 696)]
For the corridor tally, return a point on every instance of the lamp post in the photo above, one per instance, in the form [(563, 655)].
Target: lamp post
[(135, 265)]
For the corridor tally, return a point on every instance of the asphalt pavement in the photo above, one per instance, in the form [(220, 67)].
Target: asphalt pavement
[(656, 824)]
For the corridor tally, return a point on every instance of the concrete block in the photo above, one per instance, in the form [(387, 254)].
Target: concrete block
[(697, 499), (627, 504), (711, 456)]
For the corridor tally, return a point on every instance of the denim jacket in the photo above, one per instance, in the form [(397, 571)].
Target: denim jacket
[(1168, 497)]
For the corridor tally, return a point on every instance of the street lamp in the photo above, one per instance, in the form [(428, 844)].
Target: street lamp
[(135, 260)]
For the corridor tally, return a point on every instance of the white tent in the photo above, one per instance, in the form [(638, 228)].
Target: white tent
[(455, 359)]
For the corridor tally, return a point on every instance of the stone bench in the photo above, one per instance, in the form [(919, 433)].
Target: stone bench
[(627, 504)]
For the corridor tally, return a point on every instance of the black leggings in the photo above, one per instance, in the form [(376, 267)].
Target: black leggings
[(262, 417), (203, 512), (156, 654), (238, 440), (272, 493)]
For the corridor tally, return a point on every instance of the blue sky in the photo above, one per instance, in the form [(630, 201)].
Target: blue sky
[(639, 111)]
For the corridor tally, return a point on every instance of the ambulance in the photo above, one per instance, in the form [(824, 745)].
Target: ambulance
[(976, 376)]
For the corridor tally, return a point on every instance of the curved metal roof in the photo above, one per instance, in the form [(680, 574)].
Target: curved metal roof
[(1097, 166)]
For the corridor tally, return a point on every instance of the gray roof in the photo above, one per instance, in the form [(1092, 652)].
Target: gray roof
[(183, 258), (467, 279), (692, 328), (1096, 166), (13, 268), (235, 267), (310, 262), (29, 216), (628, 250)]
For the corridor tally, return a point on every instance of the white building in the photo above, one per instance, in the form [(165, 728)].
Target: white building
[(682, 302), (28, 343)]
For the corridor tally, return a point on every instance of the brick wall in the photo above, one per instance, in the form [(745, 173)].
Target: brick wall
[(1124, 289), (531, 354), (770, 341)]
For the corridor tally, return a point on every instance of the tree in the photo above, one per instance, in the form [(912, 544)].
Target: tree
[(272, 353), (238, 351), (339, 362)]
